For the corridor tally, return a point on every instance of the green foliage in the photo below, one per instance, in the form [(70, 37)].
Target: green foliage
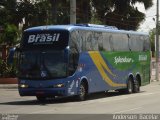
[(152, 41), (35, 14), (94, 20), (7, 70), (10, 35), (9, 22), (152, 34), (43, 12), (121, 13), (83, 11)]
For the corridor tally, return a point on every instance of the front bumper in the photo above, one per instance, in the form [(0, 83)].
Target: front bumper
[(48, 92)]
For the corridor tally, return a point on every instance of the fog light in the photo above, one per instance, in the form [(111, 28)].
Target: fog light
[(23, 86), (58, 86)]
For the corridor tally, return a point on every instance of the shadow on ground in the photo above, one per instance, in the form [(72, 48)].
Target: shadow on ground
[(66, 100)]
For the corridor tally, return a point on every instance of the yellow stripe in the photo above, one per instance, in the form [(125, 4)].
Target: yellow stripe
[(101, 65)]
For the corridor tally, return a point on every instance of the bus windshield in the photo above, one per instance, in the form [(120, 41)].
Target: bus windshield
[(42, 65)]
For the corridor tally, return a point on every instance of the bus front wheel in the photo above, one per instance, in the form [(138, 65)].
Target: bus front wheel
[(82, 92)]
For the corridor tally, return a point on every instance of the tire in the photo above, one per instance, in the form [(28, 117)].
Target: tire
[(129, 89), (82, 92), (136, 87), (41, 98)]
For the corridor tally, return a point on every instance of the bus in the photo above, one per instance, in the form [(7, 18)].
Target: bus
[(77, 60)]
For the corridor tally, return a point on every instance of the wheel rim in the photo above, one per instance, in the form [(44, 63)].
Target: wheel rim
[(137, 87), (82, 91), (130, 86)]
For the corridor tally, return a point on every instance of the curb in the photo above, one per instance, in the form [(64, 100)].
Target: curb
[(154, 80), (8, 81), (8, 86)]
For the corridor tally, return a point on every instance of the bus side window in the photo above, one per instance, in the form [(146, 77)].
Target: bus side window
[(95, 40), (73, 54), (89, 41), (120, 42), (133, 43), (111, 42), (106, 42), (146, 45), (82, 38), (100, 43), (136, 43), (79, 41)]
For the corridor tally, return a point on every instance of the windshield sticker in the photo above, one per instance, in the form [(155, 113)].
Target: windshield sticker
[(43, 74)]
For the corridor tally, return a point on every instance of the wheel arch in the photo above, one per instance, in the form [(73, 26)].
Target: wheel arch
[(130, 77), (84, 80)]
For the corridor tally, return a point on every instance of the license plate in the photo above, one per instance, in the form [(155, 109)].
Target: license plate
[(39, 92)]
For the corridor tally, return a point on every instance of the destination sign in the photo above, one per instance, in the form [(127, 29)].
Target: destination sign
[(57, 39), (43, 38)]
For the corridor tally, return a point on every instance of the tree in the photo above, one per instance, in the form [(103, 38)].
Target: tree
[(26, 12), (152, 34), (60, 11), (83, 11), (152, 41), (10, 34), (8, 22), (120, 13)]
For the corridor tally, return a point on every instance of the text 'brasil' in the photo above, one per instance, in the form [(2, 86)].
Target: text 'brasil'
[(43, 38)]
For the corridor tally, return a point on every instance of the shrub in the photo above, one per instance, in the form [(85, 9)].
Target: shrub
[(7, 70)]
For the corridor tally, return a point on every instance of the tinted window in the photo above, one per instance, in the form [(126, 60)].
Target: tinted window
[(42, 65), (111, 41), (107, 37), (146, 43), (136, 43), (120, 42), (73, 53)]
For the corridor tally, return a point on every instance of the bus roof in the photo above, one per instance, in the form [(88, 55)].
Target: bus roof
[(88, 27)]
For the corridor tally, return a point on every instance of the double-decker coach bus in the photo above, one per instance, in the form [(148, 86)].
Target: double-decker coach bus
[(76, 60)]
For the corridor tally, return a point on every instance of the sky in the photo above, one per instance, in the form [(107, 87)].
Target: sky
[(148, 23)]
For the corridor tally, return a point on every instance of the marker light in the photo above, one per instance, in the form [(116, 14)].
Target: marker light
[(23, 86), (58, 86)]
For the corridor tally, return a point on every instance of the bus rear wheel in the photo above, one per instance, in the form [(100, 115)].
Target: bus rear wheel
[(129, 89), (136, 88), (82, 92)]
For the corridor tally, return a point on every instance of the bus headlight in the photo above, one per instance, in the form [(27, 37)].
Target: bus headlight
[(23, 86), (58, 85)]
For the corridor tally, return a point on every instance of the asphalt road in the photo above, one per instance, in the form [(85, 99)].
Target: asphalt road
[(145, 102)]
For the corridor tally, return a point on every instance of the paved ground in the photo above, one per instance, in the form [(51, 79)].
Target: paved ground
[(96, 107), (147, 101)]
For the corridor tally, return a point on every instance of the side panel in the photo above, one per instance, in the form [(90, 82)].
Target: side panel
[(102, 70), (110, 70)]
